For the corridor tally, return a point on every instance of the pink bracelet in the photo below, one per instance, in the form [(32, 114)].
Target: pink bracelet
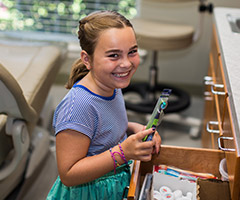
[(116, 152), (123, 156), (114, 160)]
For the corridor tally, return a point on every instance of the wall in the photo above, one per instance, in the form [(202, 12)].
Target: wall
[(190, 65)]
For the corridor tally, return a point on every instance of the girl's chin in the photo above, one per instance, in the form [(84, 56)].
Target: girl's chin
[(122, 86), (123, 82)]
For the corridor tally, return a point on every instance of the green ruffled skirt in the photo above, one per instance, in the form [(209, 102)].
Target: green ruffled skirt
[(110, 187)]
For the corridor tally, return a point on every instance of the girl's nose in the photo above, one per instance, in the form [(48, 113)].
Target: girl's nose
[(125, 62)]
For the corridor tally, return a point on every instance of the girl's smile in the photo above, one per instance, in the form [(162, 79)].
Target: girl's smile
[(121, 75)]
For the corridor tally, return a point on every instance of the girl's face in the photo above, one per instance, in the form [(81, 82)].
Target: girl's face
[(115, 60)]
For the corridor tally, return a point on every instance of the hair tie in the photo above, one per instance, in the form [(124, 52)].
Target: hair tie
[(82, 22)]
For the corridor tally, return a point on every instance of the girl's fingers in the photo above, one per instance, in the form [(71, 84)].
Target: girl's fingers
[(146, 157), (144, 133), (156, 149), (157, 139)]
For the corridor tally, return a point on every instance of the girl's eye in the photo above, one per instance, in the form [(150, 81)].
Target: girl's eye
[(133, 51), (113, 55)]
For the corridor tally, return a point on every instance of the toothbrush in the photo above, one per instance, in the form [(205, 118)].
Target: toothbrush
[(157, 114)]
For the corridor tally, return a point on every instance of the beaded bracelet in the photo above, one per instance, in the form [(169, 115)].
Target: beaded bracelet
[(114, 160), (116, 152), (116, 164), (123, 156)]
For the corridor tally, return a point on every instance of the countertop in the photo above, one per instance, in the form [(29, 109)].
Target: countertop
[(230, 52)]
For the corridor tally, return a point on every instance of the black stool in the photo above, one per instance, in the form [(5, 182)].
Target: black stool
[(179, 99)]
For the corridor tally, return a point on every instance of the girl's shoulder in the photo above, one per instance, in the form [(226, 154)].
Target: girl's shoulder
[(95, 96), (76, 97)]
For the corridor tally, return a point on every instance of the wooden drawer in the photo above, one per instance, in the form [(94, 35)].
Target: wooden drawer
[(194, 159), (218, 87), (229, 146), (220, 92), (215, 101), (209, 135), (215, 50)]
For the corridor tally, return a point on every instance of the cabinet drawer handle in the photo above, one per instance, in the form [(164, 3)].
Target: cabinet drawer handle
[(217, 86), (208, 80), (222, 148), (208, 96), (212, 130)]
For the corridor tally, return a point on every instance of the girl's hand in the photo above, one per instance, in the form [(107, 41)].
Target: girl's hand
[(134, 148), (158, 142)]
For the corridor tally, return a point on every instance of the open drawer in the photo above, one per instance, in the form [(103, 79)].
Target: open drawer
[(194, 159)]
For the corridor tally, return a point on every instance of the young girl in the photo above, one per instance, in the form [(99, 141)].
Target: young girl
[(91, 123)]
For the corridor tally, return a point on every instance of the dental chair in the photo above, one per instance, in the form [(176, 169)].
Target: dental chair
[(27, 72)]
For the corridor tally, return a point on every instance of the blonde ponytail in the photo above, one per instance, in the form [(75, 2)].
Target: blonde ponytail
[(78, 71)]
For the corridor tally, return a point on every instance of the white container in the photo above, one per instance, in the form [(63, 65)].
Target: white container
[(223, 170), (174, 184)]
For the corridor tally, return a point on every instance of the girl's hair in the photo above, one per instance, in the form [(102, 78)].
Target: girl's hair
[(90, 28)]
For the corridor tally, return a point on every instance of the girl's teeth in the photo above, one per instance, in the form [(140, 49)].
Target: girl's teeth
[(121, 75)]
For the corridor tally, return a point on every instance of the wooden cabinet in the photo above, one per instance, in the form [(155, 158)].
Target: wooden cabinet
[(219, 140), (230, 147), (215, 98), (195, 159), (218, 131)]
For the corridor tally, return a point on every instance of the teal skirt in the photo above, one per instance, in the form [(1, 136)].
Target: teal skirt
[(110, 186)]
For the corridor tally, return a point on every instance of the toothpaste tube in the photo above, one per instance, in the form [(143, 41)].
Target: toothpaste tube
[(182, 174)]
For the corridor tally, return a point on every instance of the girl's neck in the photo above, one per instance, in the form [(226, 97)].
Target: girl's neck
[(95, 87)]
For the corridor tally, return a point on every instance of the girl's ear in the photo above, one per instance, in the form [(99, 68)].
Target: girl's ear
[(86, 59)]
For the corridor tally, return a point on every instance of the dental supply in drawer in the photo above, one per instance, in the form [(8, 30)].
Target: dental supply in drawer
[(167, 187), (145, 193), (157, 114), (165, 193), (183, 174)]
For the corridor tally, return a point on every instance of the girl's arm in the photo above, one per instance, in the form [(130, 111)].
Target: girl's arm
[(75, 168), (134, 127)]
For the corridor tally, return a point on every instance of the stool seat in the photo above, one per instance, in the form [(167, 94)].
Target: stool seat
[(154, 35)]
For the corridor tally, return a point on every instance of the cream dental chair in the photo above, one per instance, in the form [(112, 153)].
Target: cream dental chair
[(27, 72)]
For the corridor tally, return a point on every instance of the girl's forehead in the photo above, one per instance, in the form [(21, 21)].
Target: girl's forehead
[(117, 36)]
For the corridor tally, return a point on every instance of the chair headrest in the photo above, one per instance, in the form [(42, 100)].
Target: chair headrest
[(12, 100)]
